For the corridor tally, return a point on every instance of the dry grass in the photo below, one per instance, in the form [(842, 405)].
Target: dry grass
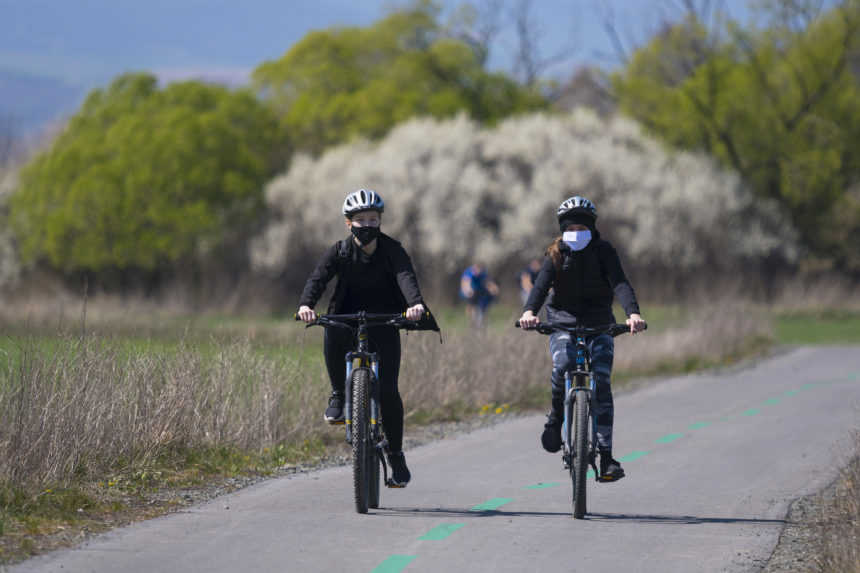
[(513, 367), (818, 292), (838, 524), (79, 407)]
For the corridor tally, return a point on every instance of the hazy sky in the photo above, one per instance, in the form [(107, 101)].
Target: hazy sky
[(89, 41), (53, 52)]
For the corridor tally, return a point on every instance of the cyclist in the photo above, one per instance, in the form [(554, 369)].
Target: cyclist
[(585, 274), (375, 274)]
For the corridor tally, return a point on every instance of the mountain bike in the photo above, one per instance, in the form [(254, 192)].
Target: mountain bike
[(362, 414), (579, 429)]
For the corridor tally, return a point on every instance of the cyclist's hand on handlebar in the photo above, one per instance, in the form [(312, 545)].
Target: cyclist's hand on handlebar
[(306, 314), (529, 320), (415, 312), (636, 323)]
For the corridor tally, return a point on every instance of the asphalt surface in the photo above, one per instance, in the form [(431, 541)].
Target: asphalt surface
[(712, 462)]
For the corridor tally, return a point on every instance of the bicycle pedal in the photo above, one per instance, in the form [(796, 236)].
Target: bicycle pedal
[(335, 422)]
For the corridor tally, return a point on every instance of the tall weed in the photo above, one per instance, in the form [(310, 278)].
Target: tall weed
[(78, 407)]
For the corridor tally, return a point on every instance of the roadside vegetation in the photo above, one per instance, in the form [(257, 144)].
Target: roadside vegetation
[(110, 421), (837, 525)]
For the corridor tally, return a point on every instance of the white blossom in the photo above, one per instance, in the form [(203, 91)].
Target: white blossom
[(455, 191)]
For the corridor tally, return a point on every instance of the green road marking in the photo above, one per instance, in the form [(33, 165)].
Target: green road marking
[(632, 456), (441, 532), (699, 425), (494, 503), (807, 387), (792, 392), (542, 485), (394, 564), (771, 401), (669, 438), (751, 412)]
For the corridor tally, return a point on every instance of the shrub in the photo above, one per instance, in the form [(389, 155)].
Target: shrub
[(144, 177), (455, 191)]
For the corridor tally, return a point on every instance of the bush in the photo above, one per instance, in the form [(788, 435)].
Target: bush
[(455, 192), (143, 177), (778, 104), (340, 83)]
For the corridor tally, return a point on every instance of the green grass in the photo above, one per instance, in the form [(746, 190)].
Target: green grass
[(502, 316), (818, 328)]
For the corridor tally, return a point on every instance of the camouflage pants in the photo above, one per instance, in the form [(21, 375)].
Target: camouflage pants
[(602, 348)]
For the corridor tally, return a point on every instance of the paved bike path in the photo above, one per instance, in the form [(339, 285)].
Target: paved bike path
[(712, 462)]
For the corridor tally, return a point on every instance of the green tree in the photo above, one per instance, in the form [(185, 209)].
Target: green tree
[(341, 83), (144, 177), (780, 104)]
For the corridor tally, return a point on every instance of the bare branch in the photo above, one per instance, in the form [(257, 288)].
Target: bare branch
[(607, 18), (8, 140), (478, 25), (529, 63)]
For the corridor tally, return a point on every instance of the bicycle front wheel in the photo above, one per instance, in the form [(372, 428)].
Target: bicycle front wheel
[(362, 446), (579, 463)]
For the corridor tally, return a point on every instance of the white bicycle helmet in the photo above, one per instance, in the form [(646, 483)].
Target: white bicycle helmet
[(576, 205), (362, 200)]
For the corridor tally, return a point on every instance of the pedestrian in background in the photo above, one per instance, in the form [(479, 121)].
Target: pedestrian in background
[(527, 278), (479, 291)]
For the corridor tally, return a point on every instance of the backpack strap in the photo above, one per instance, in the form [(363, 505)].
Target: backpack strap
[(344, 254)]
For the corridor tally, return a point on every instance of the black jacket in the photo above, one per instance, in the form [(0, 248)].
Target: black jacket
[(584, 286), (339, 259)]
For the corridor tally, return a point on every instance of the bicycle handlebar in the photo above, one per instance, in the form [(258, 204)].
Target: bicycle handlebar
[(549, 327), (397, 320)]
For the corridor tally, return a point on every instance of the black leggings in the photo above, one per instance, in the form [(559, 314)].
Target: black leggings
[(385, 341)]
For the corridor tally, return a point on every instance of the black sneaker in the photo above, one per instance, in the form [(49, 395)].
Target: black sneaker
[(334, 412), (551, 437), (400, 475), (610, 469)]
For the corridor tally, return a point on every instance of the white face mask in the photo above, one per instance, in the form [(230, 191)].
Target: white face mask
[(576, 240)]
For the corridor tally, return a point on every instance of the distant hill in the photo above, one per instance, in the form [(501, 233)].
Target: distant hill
[(29, 103)]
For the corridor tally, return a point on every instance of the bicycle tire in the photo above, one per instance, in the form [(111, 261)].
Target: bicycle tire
[(361, 440), (579, 465)]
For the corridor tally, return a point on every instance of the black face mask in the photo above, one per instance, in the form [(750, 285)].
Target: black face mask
[(365, 234)]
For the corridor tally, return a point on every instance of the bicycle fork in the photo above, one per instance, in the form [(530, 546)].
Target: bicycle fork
[(583, 368), (363, 360), (378, 443), (573, 393)]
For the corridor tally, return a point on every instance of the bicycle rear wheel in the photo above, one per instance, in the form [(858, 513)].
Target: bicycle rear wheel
[(362, 448), (579, 463)]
